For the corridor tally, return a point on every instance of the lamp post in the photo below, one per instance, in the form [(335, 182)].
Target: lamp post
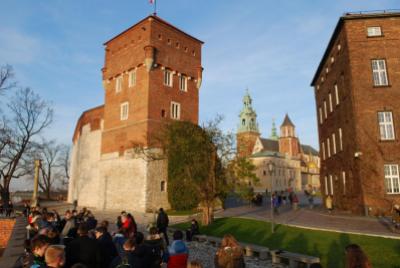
[(38, 164), (271, 170)]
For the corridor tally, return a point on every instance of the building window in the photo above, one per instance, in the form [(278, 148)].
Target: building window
[(183, 83), (162, 113), (124, 111), (344, 182), (132, 78), (325, 110), (340, 140), (162, 186), (326, 186), (337, 94), (175, 110), (168, 78), (330, 103), (374, 31), (332, 59), (264, 173), (323, 150), (321, 120), (331, 183), (379, 72), (392, 180), (118, 84), (334, 143), (339, 47), (386, 128), (328, 147)]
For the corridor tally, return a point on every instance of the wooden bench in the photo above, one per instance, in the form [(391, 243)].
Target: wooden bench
[(294, 260)]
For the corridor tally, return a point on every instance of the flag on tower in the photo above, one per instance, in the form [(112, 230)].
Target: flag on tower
[(151, 1)]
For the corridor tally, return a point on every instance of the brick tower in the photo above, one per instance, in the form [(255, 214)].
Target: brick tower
[(288, 142), (152, 73), (248, 132)]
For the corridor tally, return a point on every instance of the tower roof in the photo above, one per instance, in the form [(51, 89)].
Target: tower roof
[(248, 117), (287, 122)]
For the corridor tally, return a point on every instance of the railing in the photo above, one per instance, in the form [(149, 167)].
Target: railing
[(372, 12)]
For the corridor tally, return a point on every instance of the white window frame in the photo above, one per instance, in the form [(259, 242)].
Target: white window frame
[(328, 146), (340, 139), (334, 143), (323, 150), (124, 111), (337, 94), (379, 72), (118, 84), (392, 180), (175, 110), (132, 78), (373, 31), (183, 83), (386, 127), (344, 182), (321, 119), (325, 110), (168, 78), (331, 183), (326, 185), (330, 103)]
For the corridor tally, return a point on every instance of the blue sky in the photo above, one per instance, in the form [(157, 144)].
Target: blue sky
[(271, 47)]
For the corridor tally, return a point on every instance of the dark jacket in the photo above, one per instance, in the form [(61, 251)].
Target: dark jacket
[(84, 250), (142, 256), (107, 248), (157, 249), (162, 220)]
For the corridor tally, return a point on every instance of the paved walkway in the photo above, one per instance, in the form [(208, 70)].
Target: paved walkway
[(316, 218)]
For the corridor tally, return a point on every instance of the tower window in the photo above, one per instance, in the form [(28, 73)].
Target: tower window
[(379, 72), (124, 111), (132, 78), (175, 110), (183, 83), (168, 78), (159, 37), (162, 113), (169, 41), (243, 122), (118, 84), (374, 31), (337, 94), (193, 53), (162, 186), (177, 45)]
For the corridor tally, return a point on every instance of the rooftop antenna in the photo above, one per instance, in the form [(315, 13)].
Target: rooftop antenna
[(154, 2)]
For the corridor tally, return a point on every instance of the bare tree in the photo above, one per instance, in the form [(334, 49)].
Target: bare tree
[(64, 162), (29, 116), (6, 76)]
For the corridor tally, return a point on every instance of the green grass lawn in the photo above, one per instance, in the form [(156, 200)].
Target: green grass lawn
[(329, 246)]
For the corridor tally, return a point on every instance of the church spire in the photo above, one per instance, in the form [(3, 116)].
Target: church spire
[(248, 117), (274, 133)]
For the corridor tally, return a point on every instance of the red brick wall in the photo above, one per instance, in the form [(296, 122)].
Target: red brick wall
[(6, 227), (174, 50), (357, 114), (245, 143)]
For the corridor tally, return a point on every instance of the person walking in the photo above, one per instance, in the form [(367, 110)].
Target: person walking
[(275, 203), (295, 201), (162, 224), (328, 203), (9, 209)]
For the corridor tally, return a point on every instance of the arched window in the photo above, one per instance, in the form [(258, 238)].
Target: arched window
[(163, 186), (243, 122)]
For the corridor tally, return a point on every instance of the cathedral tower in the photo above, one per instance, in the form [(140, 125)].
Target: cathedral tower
[(288, 142), (247, 132)]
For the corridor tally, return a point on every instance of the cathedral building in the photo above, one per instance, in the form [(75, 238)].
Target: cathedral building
[(152, 74), (295, 166)]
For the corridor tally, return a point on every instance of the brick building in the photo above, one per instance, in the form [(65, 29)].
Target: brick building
[(357, 92), (152, 73), (296, 165)]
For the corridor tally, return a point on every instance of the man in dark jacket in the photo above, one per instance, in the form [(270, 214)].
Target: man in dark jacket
[(107, 247), (84, 250), (162, 224)]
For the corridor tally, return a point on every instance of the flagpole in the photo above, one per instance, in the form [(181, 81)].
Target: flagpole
[(155, 8)]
